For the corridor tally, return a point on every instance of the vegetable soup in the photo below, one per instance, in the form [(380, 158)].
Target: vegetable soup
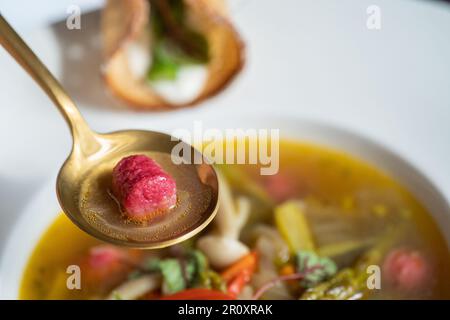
[(326, 226)]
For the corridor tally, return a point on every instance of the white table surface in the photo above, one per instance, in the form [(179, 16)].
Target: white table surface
[(314, 59)]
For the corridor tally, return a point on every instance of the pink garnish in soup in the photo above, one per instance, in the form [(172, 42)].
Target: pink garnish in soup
[(105, 265), (281, 187), (406, 269), (143, 188), (104, 256)]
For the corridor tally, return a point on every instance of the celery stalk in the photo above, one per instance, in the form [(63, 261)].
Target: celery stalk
[(293, 227)]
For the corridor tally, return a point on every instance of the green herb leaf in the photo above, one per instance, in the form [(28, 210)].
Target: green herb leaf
[(164, 65), (174, 43), (200, 260), (191, 271), (173, 275), (195, 266), (173, 280), (316, 269), (203, 276), (345, 285)]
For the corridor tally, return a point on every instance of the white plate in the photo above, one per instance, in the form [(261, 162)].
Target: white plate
[(44, 208)]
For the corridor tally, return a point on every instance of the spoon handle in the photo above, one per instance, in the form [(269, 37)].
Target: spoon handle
[(20, 51)]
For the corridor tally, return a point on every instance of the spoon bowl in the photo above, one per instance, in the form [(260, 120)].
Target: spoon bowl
[(84, 181)]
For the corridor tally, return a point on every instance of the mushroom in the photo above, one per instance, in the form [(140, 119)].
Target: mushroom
[(222, 246)]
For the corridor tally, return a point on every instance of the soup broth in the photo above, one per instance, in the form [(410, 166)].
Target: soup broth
[(323, 204)]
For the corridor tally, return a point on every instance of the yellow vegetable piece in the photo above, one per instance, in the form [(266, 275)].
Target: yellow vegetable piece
[(380, 210), (348, 203), (337, 249), (293, 227)]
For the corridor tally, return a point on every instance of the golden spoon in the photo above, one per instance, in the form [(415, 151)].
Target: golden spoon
[(83, 181)]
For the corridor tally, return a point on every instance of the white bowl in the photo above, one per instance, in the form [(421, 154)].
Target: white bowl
[(44, 206)]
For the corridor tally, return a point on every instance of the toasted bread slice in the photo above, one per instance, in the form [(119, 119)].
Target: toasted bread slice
[(124, 22)]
